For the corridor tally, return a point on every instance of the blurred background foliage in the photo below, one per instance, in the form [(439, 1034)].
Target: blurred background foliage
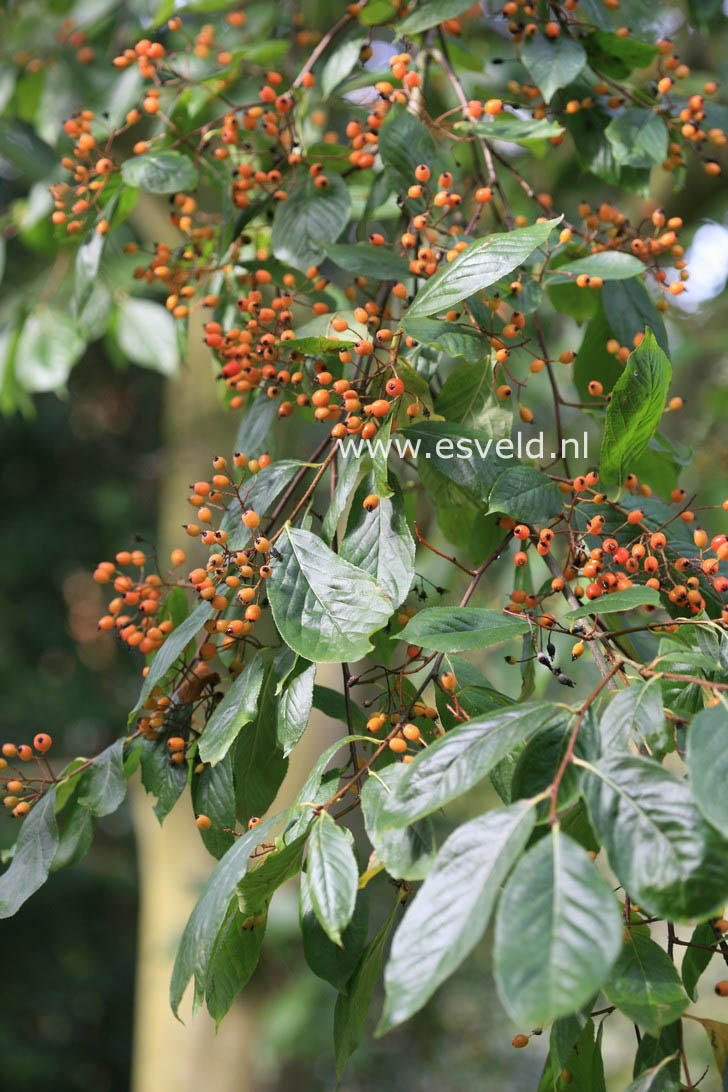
[(85, 444)]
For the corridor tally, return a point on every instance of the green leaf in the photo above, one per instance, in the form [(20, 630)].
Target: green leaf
[(235, 957), (552, 63), (705, 12), (467, 397), (454, 629), (453, 338), (332, 875), (260, 883), (308, 219), (403, 143), (259, 764), (525, 493), (160, 172), (617, 56), (514, 129), (171, 650), (380, 542), (460, 759), (707, 762), (467, 456), (324, 608), (652, 1051), (644, 984), (430, 13), (103, 785), (236, 709), (406, 854), (635, 409), (350, 469), (294, 705), (557, 933), (147, 335), (378, 263), (213, 795), (452, 908), (610, 265), (75, 834), (663, 852), (697, 959), (639, 137), (161, 777), (208, 917), (88, 260), (340, 63), (352, 1007), (34, 852), (629, 599), (581, 1058), (326, 959), (635, 714), (655, 1078), (49, 345), (481, 264), (629, 311)]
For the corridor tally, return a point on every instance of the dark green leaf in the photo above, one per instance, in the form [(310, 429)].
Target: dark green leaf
[(34, 852), (208, 917), (325, 608), (213, 795), (104, 784), (635, 714), (406, 854), (663, 852), (452, 908), (430, 13), (697, 959), (256, 889), (467, 456), (481, 264), (525, 493), (635, 409), (467, 397), (236, 709), (516, 130), (652, 1051), (639, 137), (581, 1060), (75, 834), (332, 874), (234, 958), (655, 1078), (616, 55), (340, 63), (552, 63), (629, 599), (707, 761), (161, 777), (454, 629), (460, 759), (610, 265), (403, 143), (380, 542), (259, 764), (308, 219), (378, 263), (629, 311), (294, 705), (453, 338), (326, 959), (172, 650), (352, 1007), (558, 932), (160, 172), (644, 984)]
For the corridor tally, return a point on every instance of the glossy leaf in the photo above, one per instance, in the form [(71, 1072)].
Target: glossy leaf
[(208, 917), (34, 852), (234, 958), (695, 960), (161, 777), (707, 762), (460, 759), (380, 542), (172, 649), (558, 932), (453, 338), (454, 629), (160, 172), (552, 63), (429, 14), (610, 265), (635, 409), (638, 136), (332, 874), (407, 854), (340, 63), (294, 705), (266, 875), (654, 1078), (467, 397), (525, 493), (324, 607), (663, 852), (352, 1007), (213, 795), (364, 260), (644, 984), (617, 56), (259, 762), (629, 310), (629, 599), (237, 708), (467, 456), (327, 960), (308, 219), (516, 130), (637, 714), (103, 785), (50, 344), (451, 910), (481, 264), (404, 141)]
